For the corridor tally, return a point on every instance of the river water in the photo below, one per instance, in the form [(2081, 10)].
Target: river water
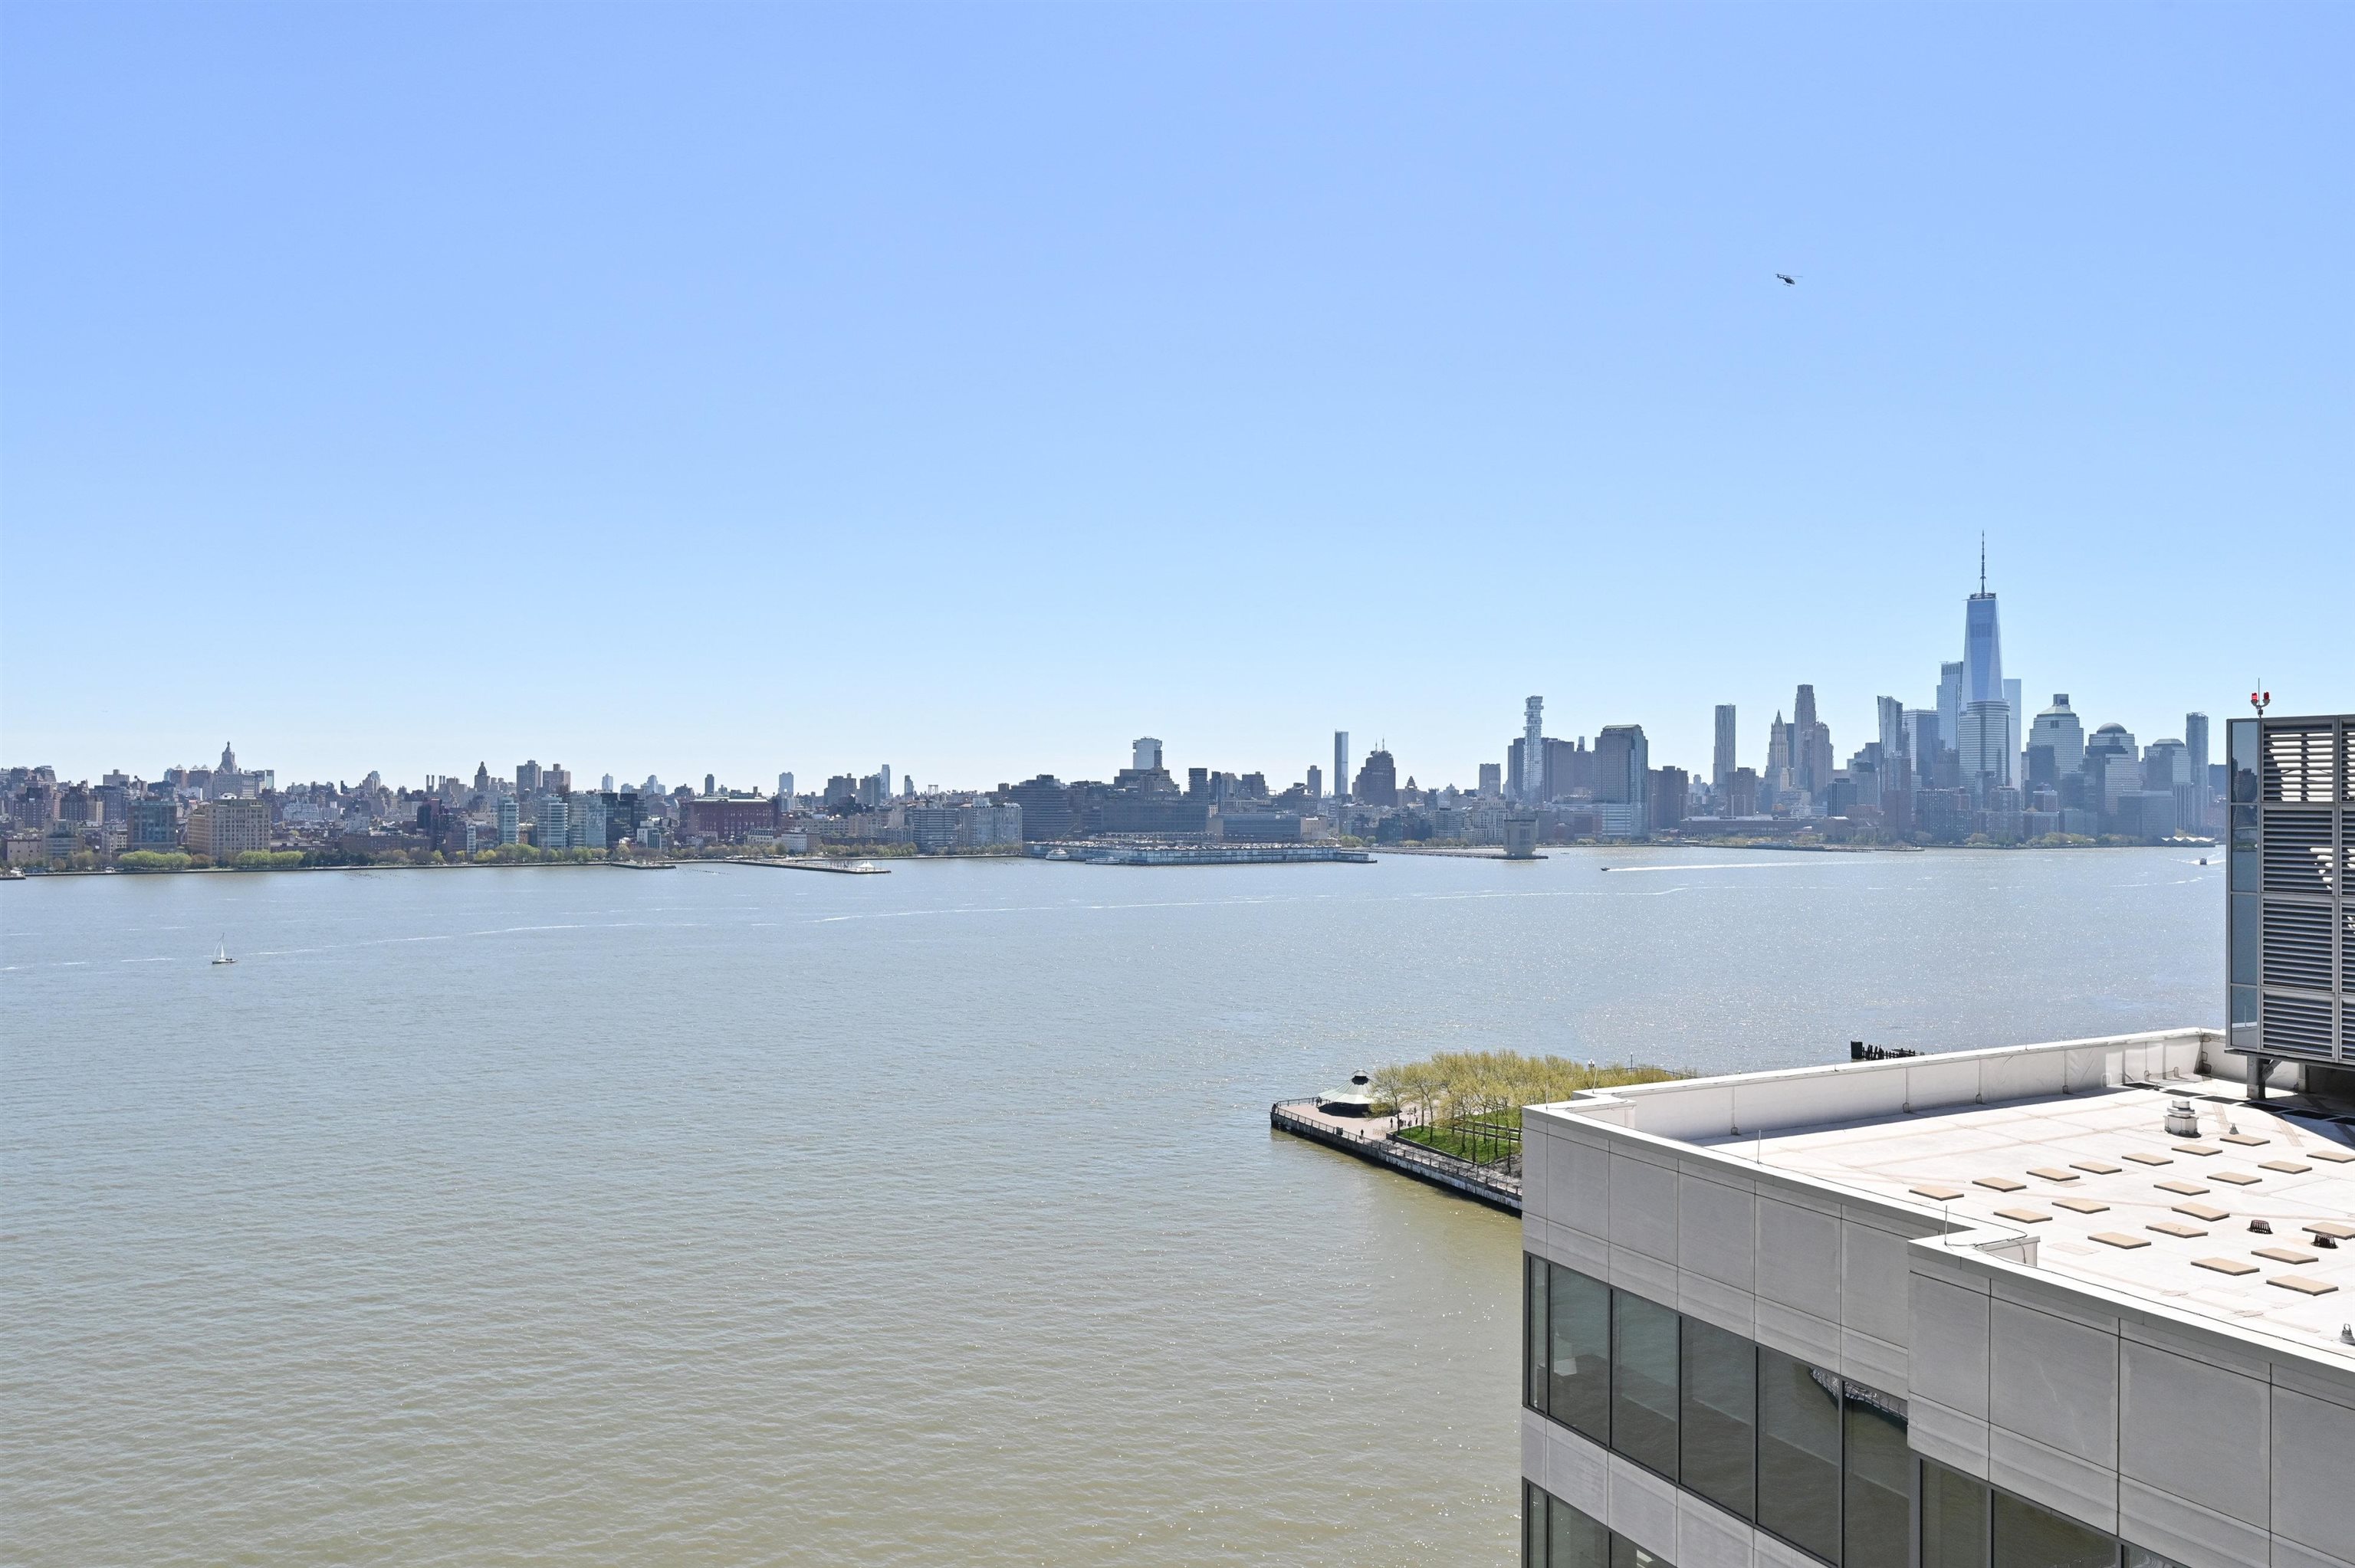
[(730, 1216)]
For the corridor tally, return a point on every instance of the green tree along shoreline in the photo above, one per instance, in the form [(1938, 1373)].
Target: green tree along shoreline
[(1469, 1103)]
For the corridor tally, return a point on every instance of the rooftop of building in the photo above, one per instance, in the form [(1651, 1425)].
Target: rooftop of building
[(2067, 1145)]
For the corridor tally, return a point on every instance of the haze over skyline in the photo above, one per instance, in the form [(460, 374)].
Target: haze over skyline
[(732, 390)]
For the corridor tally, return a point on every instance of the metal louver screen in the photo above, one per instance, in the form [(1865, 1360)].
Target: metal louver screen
[(2298, 852), (2300, 765), (2298, 1023), (2297, 946)]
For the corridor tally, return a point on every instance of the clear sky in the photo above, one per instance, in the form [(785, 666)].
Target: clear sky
[(696, 388)]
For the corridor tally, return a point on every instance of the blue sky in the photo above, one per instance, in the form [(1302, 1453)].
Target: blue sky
[(695, 388)]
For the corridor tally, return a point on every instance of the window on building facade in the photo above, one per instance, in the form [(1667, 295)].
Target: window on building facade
[(1580, 1368), (1877, 1481), (1799, 1453), (1967, 1524), (1556, 1535), (2026, 1536), (1643, 1383), (1718, 1426), (1954, 1520)]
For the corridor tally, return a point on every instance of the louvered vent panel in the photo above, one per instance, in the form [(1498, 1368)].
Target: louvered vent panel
[(2298, 853), (2300, 765), (2298, 1023), (2347, 761), (2297, 945)]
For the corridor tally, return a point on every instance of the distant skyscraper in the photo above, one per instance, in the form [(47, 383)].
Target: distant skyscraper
[(510, 820), (2195, 742), (1983, 679), (1923, 741), (1316, 782), (884, 779), (785, 786), (2059, 727), (1492, 780), (526, 777), (1623, 768), (1778, 754), (1144, 754), (711, 784), (1377, 781), (1533, 778), (481, 777), (1722, 761), (1891, 713), (1811, 746), (1341, 765), (607, 785), (1950, 703)]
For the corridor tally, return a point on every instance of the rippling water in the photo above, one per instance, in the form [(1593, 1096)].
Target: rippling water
[(740, 1216)]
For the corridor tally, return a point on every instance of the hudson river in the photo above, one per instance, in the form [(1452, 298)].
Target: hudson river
[(729, 1215)]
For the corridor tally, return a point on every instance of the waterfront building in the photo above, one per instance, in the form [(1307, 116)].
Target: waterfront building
[(1315, 785), (1046, 808), (1623, 763), (224, 830), (1668, 792), (1377, 782), (552, 830), (1533, 756), (1341, 765), (2165, 764), (1923, 741), (587, 828), (154, 824), (728, 819), (2059, 727), (1952, 1311), (1950, 702), (1982, 746), (510, 820), (2291, 931), (1492, 780), (2195, 742)]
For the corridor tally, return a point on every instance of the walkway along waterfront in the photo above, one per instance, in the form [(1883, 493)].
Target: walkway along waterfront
[(1498, 1185)]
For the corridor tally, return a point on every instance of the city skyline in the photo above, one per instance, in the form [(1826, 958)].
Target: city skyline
[(1858, 718), (1231, 376)]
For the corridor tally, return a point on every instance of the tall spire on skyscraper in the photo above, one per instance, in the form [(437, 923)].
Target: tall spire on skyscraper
[(1982, 563)]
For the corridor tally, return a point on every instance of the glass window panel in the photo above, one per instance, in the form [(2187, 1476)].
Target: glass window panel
[(1953, 1519), (2244, 947), (1799, 1453), (1625, 1553), (1533, 1522), (2143, 1557), (1643, 1383), (2241, 740), (1720, 1417), (1534, 1335), (1877, 1501), (1581, 1320), (2026, 1536), (2244, 862), (1573, 1539), (2244, 1017)]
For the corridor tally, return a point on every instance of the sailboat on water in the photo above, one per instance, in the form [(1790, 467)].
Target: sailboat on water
[(222, 957)]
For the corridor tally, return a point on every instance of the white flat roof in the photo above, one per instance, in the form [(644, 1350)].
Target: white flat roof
[(2114, 1199)]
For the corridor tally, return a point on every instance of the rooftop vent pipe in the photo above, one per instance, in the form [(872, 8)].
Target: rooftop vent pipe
[(2183, 1121)]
